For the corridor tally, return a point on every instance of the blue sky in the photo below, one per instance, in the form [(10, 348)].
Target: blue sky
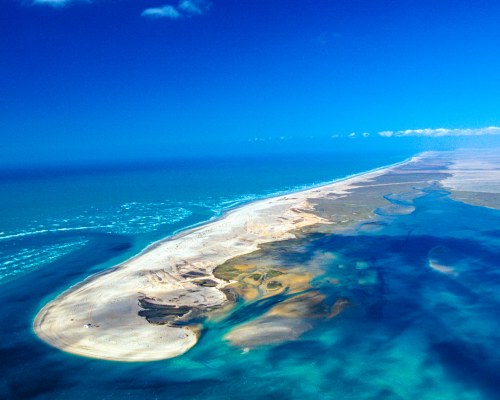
[(122, 79)]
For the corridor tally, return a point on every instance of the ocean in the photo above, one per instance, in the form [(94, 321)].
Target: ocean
[(413, 334), (49, 213)]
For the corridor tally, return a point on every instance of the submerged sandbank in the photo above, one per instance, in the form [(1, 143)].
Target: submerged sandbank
[(150, 307)]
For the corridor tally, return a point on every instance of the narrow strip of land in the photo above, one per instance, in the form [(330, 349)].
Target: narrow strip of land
[(146, 308)]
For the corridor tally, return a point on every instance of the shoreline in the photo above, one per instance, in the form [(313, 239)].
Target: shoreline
[(278, 193), (181, 232), (192, 228), (99, 316)]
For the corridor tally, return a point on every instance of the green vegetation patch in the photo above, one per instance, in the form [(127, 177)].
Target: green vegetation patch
[(256, 277), (273, 285), (226, 271), (273, 274)]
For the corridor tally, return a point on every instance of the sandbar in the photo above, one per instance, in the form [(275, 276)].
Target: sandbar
[(149, 307)]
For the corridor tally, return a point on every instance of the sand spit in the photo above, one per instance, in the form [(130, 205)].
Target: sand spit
[(474, 171), (146, 308)]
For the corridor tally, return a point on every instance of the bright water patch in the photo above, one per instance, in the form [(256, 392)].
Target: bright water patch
[(128, 218), (27, 259)]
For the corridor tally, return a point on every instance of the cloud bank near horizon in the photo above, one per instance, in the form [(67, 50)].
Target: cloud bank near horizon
[(441, 132), (427, 132)]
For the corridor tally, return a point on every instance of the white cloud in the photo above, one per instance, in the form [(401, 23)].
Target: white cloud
[(440, 132), (162, 12), (185, 8), (194, 6), (352, 135)]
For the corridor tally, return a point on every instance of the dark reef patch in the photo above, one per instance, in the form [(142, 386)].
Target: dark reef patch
[(167, 314), (469, 364)]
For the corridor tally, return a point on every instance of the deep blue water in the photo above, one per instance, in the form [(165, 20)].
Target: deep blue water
[(412, 332)]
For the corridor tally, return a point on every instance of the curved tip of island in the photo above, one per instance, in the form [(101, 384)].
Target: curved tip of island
[(118, 339), (148, 308)]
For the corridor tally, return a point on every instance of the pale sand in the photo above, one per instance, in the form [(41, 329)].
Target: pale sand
[(444, 269), (99, 317), (474, 171)]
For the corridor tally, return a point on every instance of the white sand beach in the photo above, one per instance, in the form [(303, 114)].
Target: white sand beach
[(99, 317)]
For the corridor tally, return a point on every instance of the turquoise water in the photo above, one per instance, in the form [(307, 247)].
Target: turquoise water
[(47, 214), (411, 332)]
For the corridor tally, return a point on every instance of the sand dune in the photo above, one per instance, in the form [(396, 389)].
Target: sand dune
[(144, 309)]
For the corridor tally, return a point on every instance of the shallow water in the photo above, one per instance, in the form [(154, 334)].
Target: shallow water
[(44, 214), (410, 332)]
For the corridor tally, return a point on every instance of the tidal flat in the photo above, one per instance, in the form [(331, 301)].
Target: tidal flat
[(383, 286)]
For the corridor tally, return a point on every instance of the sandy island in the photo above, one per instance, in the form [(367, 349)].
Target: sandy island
[(145, 309)]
